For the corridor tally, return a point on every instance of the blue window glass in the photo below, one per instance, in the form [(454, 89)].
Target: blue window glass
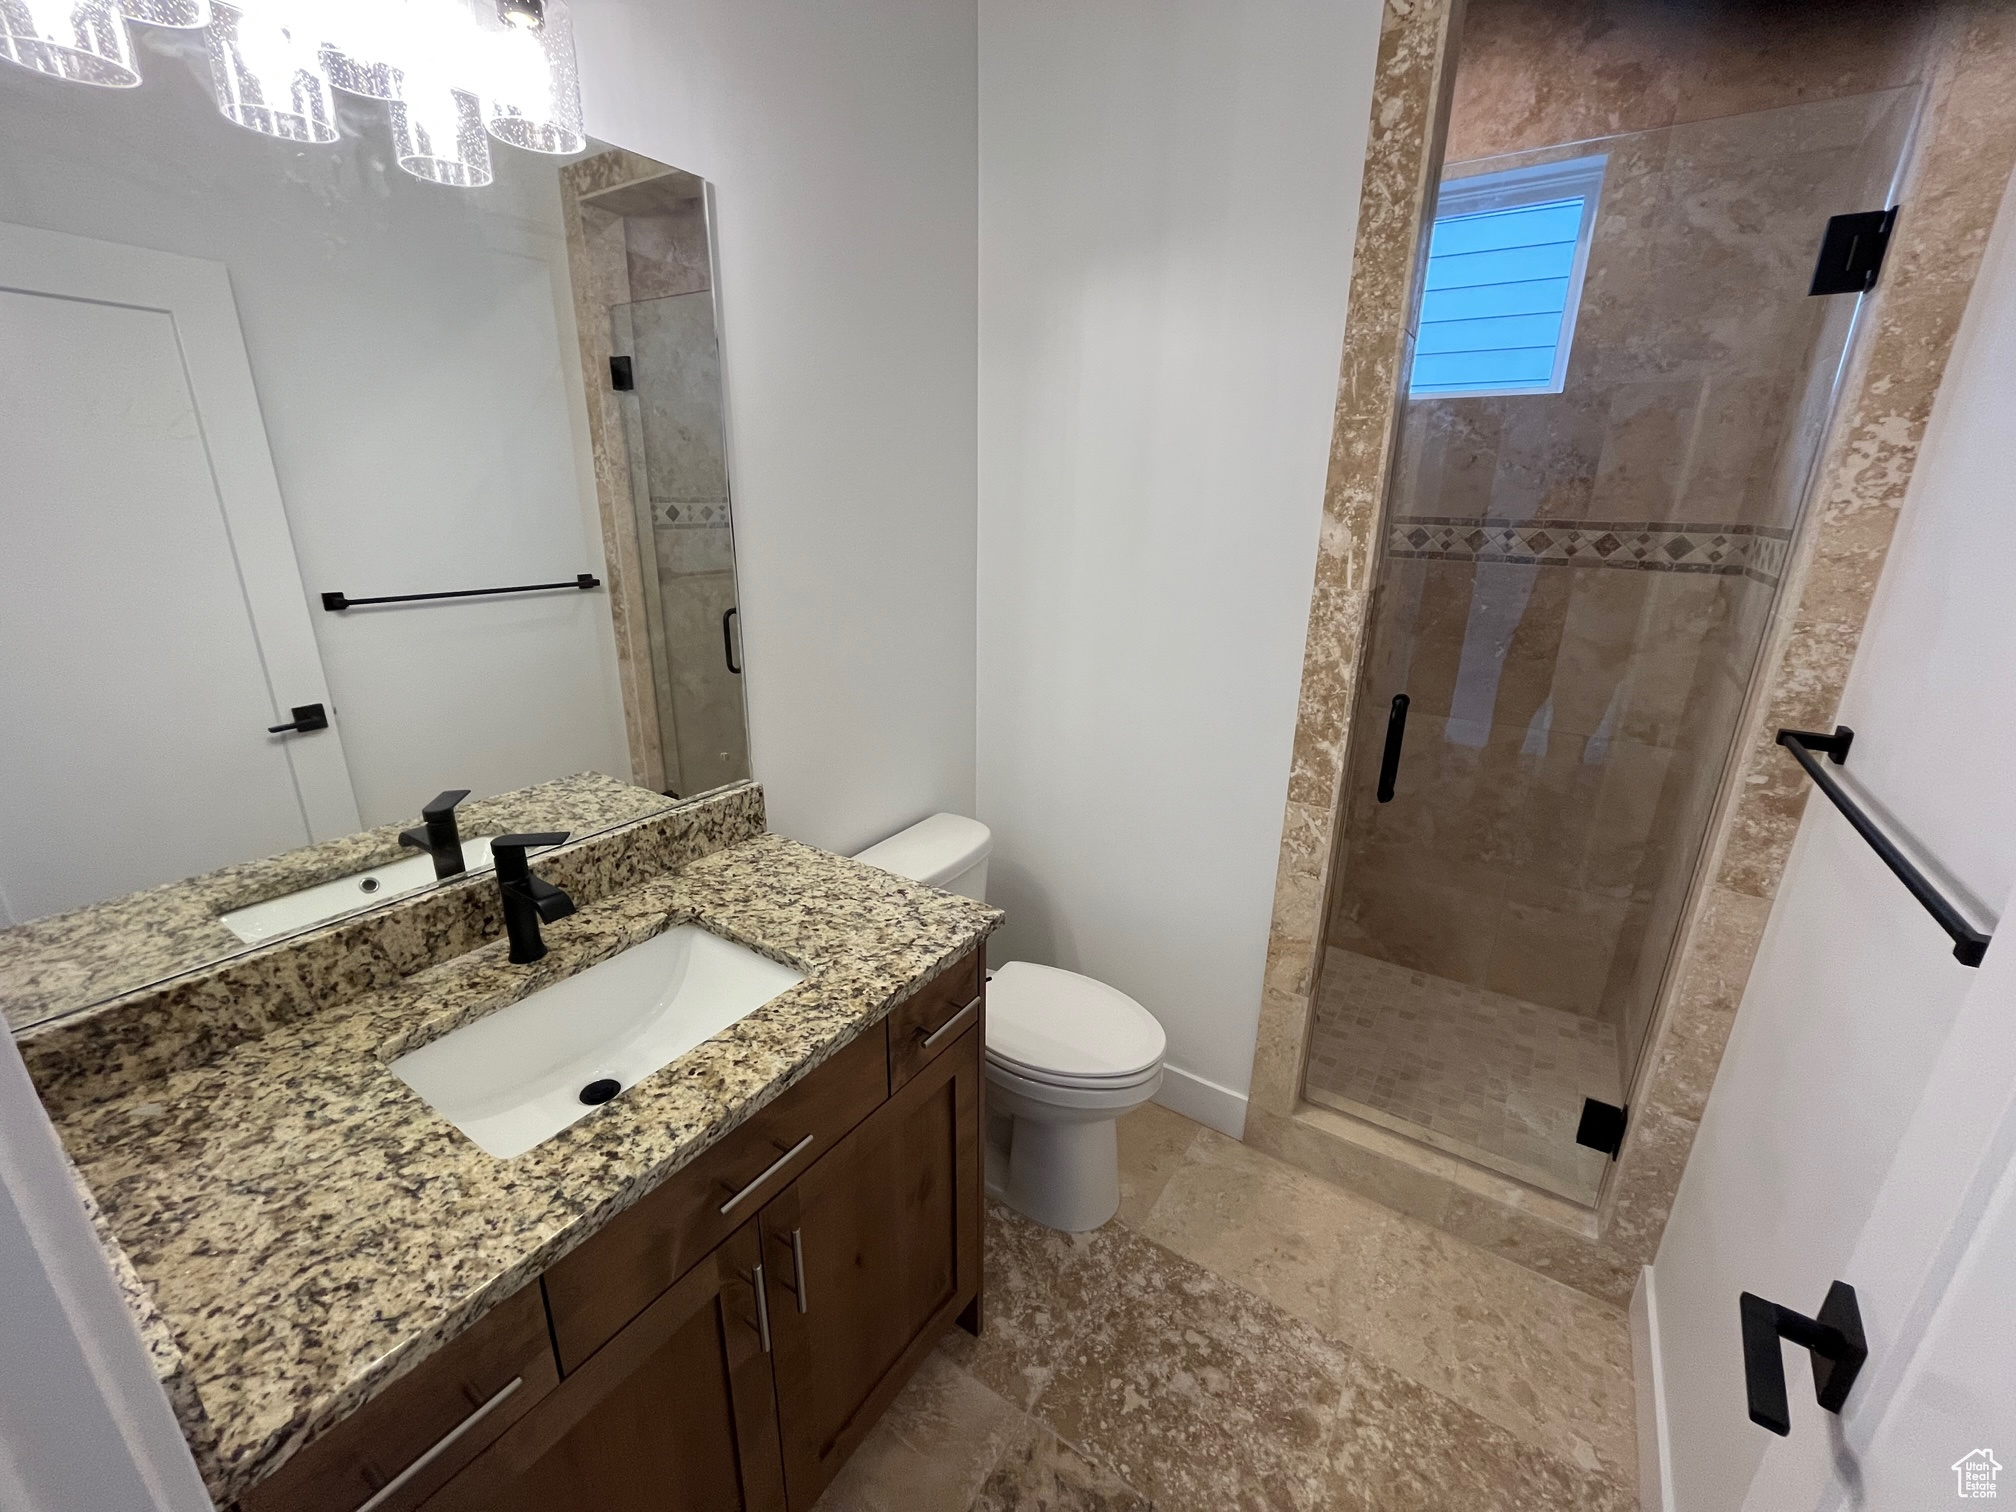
[(1497, 306)]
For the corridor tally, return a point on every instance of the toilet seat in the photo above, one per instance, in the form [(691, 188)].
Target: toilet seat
[(1059, 1029)]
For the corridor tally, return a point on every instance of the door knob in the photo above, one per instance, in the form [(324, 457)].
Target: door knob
[(306, 717), (1834, 1339)]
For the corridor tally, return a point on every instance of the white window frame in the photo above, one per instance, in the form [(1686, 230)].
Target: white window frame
[(1508, 189)]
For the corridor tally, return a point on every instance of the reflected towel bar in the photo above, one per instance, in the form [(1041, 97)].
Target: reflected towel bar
[(335, 601), (1969, 943)]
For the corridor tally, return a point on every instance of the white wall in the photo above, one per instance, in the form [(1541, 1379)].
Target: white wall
[(1168, 196), (840, 140), (1855, 988), (415, 357)]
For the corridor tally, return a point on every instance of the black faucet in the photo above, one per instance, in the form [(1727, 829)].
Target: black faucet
[(440, 838), (527, 899)]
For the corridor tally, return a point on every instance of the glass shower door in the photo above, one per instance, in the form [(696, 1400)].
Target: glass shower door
[(1620, 395)]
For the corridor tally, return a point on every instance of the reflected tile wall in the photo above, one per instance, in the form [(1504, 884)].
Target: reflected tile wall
[(680, 475)]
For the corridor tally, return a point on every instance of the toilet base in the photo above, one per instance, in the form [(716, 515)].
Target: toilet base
[(1061, 1175)]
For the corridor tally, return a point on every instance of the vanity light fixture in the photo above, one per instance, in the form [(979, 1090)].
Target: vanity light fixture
[(183, 15), (269, 74), (453, 73), (84, 41)]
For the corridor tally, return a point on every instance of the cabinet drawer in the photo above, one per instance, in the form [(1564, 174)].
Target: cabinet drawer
[(926, 1024), (426, 1425), (618, 1273)]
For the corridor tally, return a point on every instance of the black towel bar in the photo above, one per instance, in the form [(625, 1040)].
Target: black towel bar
[(1969, 943), (335, 601)]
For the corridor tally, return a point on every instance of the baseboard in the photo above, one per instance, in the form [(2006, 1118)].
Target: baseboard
[(1655, 1448), (1205, 1101)]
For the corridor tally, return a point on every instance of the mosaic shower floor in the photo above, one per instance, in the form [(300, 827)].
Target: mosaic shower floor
[(1489, 1077)]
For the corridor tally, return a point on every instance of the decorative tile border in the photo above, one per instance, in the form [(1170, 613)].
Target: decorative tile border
[(685, 514), (1726, 550)]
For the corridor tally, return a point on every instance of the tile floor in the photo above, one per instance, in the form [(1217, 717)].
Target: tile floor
[(1483, 1075), (1245, 1335)]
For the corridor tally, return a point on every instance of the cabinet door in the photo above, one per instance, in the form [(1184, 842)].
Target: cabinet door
[(869, 1256), (675, 1414)]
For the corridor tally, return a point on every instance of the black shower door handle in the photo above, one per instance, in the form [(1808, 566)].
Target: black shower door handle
[(728, 639), (1396, 731)]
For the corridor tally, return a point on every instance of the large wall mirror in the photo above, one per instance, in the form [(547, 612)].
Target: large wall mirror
[(248, 385)]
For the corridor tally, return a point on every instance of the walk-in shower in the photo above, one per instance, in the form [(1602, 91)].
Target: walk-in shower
[(1619, 391)]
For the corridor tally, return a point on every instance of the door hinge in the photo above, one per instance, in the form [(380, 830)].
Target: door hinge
[(621, 377), (1602, 1126), (1851, 253)]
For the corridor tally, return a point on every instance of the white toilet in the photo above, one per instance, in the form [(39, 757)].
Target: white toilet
[(1066, 1056)]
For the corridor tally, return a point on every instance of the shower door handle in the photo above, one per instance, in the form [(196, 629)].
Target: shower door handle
[(1396, 731), (728, 639)]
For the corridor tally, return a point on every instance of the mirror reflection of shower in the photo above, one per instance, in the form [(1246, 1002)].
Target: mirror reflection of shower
[(1619, 392)]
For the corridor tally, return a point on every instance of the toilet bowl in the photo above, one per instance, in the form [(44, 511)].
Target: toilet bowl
[(1067, 1056)]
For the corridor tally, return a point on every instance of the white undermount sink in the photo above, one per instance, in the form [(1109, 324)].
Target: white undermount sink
[(259, 922), (515, 1078)]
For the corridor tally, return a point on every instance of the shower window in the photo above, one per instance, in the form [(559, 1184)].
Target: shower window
[(1505, 266)]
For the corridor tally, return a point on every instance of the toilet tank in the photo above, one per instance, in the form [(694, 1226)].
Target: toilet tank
[(946, 850)]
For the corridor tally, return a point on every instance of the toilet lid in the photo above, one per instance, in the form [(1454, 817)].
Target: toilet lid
[(1060, 1024)]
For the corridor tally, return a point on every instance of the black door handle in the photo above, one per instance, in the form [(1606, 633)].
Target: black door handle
[(1396, 731), (306, 717), (1834, 1339), (728, 639)]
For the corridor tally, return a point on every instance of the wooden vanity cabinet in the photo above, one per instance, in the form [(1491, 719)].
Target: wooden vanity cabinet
[(711, 1361), (677, 1413), (868, 1258)]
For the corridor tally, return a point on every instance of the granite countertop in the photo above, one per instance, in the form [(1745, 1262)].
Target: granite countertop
[(71, 960), (294, 1228)]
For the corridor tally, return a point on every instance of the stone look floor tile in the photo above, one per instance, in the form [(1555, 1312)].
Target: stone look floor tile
[(934, 1449), (1309, 1350), (1153, 1142), (1399, 1447), (1042, 1473), (1192, 1389), (1532, 1356), (1040, 1292)]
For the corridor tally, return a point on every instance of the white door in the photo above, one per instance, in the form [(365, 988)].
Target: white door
[(152, 619), (1862, 1123), (1932, 1418)]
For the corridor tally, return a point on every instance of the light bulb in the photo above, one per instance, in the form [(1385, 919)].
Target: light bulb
[(531, 96), (84, 41), (188, 14), (266, 61)]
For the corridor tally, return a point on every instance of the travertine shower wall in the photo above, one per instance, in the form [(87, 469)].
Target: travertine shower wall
[(1574, 586), (1960, 162)]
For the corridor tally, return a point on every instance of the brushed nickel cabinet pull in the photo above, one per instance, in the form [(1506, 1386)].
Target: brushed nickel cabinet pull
[(798, 1265), (398, 1482), (949, 1025), (768, 1171), (755, 1280)]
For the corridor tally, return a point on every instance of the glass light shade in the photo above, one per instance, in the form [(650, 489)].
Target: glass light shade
[(267, 66), (532, 97), (361, 45), (437, 135), (189, 14), (84, 41)]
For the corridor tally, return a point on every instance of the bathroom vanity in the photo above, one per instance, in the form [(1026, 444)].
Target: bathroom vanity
[(700, 1294)]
